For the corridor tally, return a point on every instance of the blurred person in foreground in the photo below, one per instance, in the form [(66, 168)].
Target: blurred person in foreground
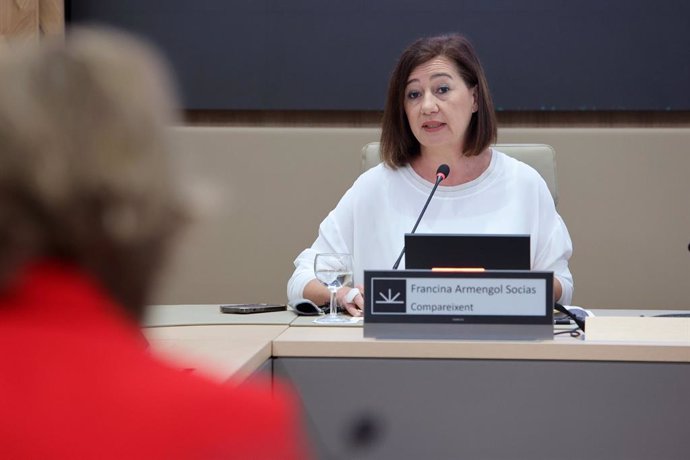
[(438, 110), (88, 209)]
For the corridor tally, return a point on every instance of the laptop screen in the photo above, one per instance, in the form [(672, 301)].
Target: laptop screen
[(490, 252)]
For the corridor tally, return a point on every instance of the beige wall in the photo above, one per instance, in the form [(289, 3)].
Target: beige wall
[(263, 191), (625, 196)]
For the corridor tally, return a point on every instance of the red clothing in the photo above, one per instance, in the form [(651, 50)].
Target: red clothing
[(76, 381)]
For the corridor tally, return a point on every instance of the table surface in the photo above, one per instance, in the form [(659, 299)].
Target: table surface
[(208, 314), (203, 314), (222, 346), (220, 352)]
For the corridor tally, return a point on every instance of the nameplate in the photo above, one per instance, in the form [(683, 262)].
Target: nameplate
[(508, 305)]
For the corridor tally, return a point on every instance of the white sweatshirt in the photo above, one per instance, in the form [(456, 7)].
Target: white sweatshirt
[(371, 219)]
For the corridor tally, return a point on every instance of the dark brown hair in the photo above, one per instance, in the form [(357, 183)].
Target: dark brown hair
[(398, 143)]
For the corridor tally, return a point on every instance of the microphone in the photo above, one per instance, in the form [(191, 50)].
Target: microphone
[(441, 174)]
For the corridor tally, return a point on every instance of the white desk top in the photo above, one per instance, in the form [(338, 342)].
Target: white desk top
[(222, 345), (186, 315), (219, 352), (201, 314), (632, 329)]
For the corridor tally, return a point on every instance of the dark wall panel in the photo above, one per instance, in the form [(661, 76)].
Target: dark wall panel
[(337, 54)]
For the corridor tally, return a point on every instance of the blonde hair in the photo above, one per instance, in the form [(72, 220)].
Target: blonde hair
[(85, 174)]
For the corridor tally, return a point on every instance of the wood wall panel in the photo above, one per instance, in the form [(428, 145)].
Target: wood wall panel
[(357, 119), (52, 17), (19, 19), (29, 20)]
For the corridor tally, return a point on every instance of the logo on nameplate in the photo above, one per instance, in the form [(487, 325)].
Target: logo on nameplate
[(389, 295)]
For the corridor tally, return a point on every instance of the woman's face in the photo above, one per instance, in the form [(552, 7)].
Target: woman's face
[(438, 104)]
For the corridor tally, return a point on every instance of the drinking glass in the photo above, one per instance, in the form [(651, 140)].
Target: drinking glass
[(334, 270)]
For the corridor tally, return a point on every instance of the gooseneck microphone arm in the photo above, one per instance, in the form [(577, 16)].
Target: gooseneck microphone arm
[(441, 173)]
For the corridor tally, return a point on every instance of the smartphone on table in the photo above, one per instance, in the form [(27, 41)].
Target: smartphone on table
[(244, 308)]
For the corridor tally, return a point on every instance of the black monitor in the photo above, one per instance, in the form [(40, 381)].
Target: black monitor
[(490, 252)]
